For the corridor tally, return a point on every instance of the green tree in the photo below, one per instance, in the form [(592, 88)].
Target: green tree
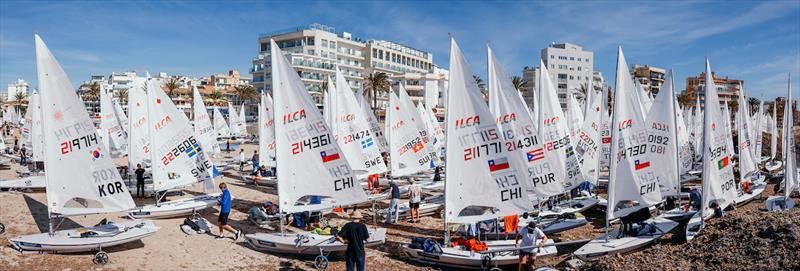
[(91, 91), (20, 101), (246, 93), (172, 85), (518, 83), (376, 84), (122, 96), (217, 98)]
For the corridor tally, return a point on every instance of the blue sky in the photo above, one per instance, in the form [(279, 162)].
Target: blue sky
[(751, 40)]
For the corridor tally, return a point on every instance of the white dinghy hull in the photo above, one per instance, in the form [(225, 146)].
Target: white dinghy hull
[(458, 258), (599, 247), (71, 241), (175, 208), (31, 182), (772, 166), (307, 243), (755, 190)]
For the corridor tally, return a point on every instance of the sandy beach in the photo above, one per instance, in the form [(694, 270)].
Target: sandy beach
[(171, 249)]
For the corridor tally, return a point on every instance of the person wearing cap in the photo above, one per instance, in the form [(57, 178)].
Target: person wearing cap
[(354, 234), (415, 197), (393, 214), (531, 236)]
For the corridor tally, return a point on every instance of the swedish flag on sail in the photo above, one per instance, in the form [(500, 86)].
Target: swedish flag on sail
[(193, 150), (366, 143)]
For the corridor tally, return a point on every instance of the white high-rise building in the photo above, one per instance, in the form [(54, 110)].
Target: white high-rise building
[(316, 50), (570, 68), (13, 88)]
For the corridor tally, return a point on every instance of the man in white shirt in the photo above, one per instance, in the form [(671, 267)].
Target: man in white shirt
[(415, 197), (242, 159), (532, 239)]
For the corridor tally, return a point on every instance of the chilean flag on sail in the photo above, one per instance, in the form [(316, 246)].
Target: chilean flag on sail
[(329, 155), (498, 164)]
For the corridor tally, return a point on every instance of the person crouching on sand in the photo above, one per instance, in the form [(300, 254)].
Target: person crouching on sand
[(224, 211)]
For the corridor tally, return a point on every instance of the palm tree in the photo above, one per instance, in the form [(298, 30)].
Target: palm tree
[(376, 84), (685, 100), (518, 82), (246, 93), (20, 99), (733, 106), (92, 91), (582, 91), (172, 85), (217, 98), (122, 96), (753, 102), (479, 82)]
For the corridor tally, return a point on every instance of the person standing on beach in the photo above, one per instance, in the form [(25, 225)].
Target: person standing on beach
[(392, 214), (415, 197), (254, 160), (532, 239), (242, 159), (224, 212), (354, 234), (23, 157), (139, 180)]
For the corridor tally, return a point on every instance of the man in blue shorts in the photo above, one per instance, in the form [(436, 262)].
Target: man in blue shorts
[(224, 211)]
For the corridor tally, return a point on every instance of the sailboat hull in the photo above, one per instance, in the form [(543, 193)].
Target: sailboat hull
[(31, 182), (600, 247), (307, 243), (459, 258), (175, 208), (755, 190), (772, 166), (71, 240)]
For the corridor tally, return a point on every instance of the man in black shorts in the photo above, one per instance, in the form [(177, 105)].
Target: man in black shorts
[(224, 211)]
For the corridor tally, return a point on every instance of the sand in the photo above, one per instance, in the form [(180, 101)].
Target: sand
[(171, 249)]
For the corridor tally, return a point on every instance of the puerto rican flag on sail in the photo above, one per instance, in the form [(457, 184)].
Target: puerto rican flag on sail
[(536, 155), (329, 155), (498, 164)]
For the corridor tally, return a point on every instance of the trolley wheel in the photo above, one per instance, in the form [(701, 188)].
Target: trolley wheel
[(2, 228), (441, 213), (495, 269), (195, 215), (101, 258), (321, 262), (486, 261)]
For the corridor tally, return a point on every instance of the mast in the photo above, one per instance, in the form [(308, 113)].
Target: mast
[(675, 132), (787, 128), (150, 138)]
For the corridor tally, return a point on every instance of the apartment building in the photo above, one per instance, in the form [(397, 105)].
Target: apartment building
[(316, 50), (728, 89), (18, 86), (570, 68), (651, 78)]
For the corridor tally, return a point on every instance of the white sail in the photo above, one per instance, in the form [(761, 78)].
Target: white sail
[(575, 115), (726, 115), (756, 137), (747, 163), (32, 133), (685, 155), (175, 147), (139, 145), (774, 136), (662, 138), (220, 126), (266, 131), (633, 181), (113, 135), (328, 104), (202, 124), (353, 132), (789, 147), (555, 134), (302, 135), (375, 128), (80, 176), (588, 142), (605, 130), (121, 118), (241, 124), (718, 182), (408, 150), (521, 140), (480, 182), (436, 130), (234, 120)]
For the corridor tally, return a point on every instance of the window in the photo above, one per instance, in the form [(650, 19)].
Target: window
[(380, 54), (579, 59), (333, 45), (571, 77), (310, 40), (552, 56), (579, 68), (572, 58), (562, 76), (264, 47), (374, 52), (552, 66), (587, 59), (562, 86), (311, 52), (324, 43)]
